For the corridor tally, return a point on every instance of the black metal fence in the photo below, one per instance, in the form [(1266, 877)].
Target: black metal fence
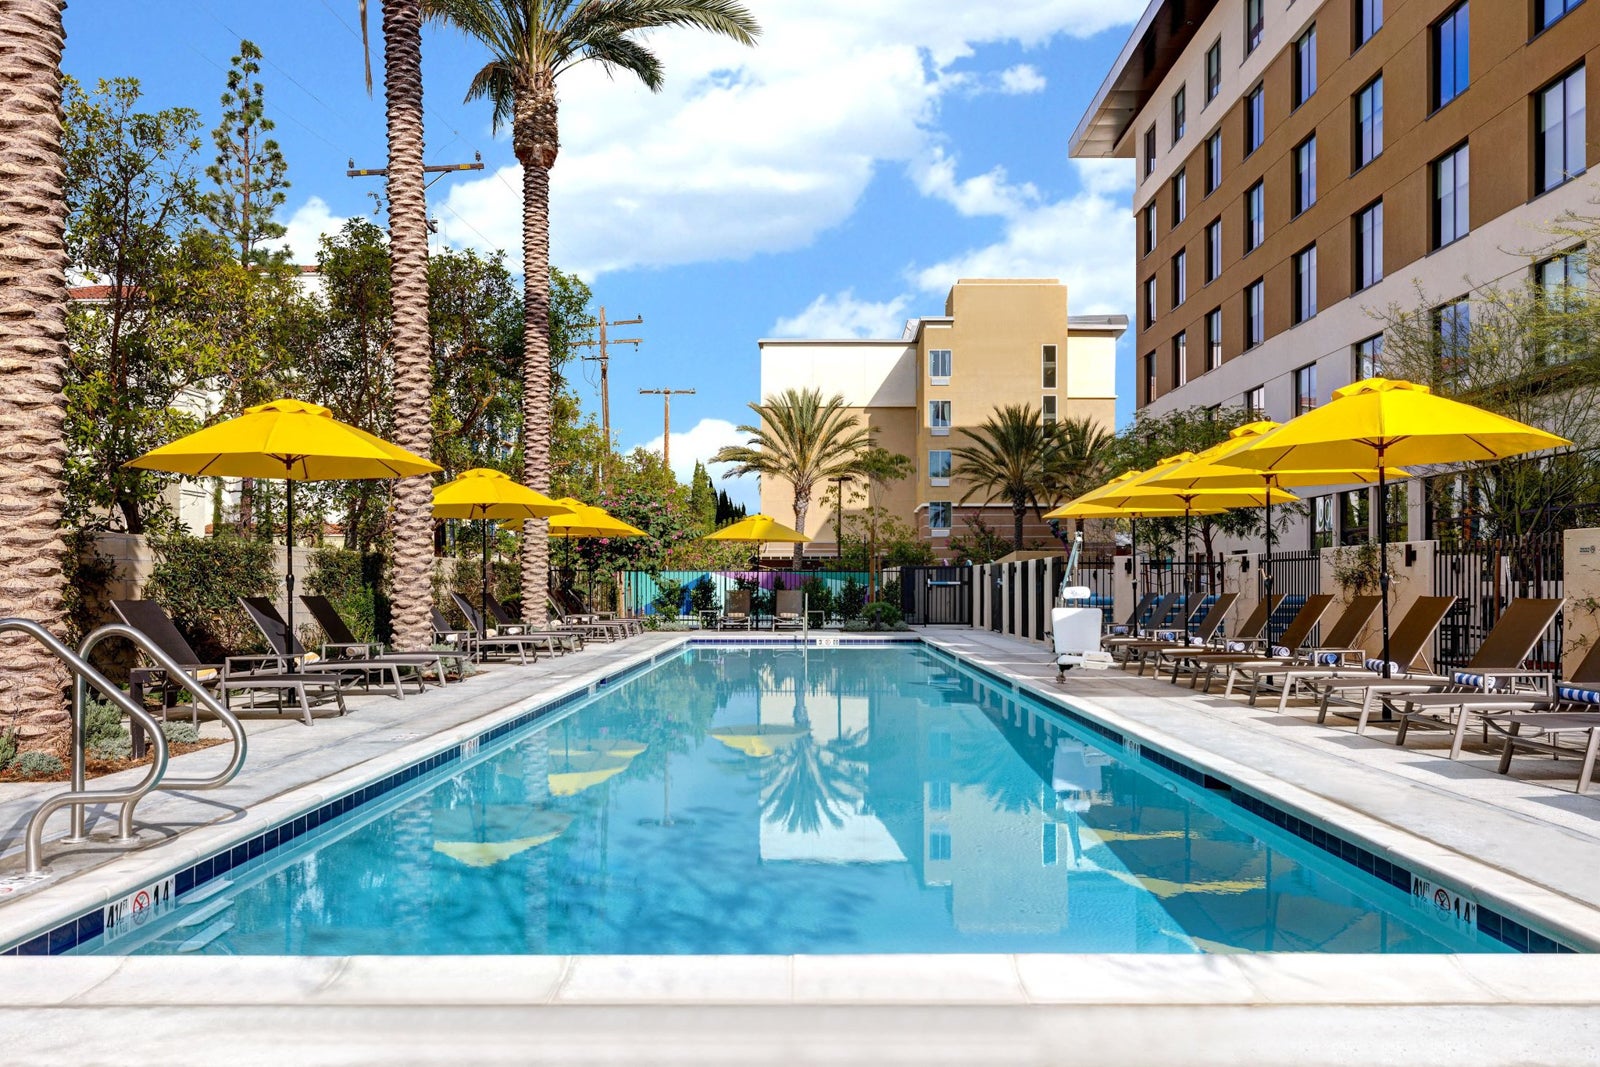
[(1179, 576), (1097, 575), (1484, 576), (936, 596), (1295, 576)]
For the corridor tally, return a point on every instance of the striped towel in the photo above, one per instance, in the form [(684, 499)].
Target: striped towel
[(1375, 665), (1578, 695)]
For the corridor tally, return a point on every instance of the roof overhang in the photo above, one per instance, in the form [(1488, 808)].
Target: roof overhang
[(1164, 30)]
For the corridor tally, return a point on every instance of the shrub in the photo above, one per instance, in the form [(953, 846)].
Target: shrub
[(180, 733), (111, 748), (880, 615), (668, 600), (851, 598), (355, 583), (819, 597), (102, 722), (889, 592), (86, 576), (703, 595), (35, 765), (8, 747), (198, 580)]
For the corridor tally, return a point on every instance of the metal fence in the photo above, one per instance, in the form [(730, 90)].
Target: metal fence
[(641, 589), (936, 596), (1295, 576), (1098, 574), (1484, 576)]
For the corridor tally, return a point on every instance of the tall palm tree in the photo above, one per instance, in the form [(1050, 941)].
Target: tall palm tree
[(410, 341), (33, 354), (531, 43), (1080, 459), (805, 441), (1011, 457)]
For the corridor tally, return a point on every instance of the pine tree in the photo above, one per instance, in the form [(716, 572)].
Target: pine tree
[(702, 497), (250, 173)]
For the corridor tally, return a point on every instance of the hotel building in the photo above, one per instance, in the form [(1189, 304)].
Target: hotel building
[(998, 342), (1302, 167)]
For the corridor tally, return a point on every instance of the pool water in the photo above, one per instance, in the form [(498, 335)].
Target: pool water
[(787, 800)]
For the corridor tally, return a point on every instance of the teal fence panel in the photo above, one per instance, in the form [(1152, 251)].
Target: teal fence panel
[(640, 588)]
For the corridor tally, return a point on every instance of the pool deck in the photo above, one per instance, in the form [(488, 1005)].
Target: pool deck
[(1518, 838)]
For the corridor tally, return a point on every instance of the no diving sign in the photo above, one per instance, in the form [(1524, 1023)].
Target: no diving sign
[(137, 909)]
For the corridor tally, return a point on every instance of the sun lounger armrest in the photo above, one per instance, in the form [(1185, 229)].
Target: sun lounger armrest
[(1518, 680), (248, 664), (1335, 657)]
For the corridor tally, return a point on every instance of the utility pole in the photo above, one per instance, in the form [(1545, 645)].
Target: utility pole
[(438, 169), (666, 396), (604, 343)]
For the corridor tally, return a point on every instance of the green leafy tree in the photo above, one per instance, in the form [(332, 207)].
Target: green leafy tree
[(475, 321), (703, 497), (530, 44), (801, 439), (131, 198)]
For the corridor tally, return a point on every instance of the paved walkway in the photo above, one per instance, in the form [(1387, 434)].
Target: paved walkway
[(1525, 836)]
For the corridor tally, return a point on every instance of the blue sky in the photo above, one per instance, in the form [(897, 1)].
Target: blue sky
[(833, 181)]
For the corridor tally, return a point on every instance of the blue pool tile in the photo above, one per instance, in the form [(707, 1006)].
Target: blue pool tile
[(91, 925), (38, 946), (62, 937)]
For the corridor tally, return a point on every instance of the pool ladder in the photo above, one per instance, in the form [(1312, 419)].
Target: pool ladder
[(84, 679)]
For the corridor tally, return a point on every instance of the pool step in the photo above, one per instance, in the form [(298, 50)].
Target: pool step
[(205, 892), (200, 915), (206, 936)]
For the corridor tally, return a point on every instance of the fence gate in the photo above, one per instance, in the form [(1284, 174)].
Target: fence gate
[(936, 596), (1484, 576)]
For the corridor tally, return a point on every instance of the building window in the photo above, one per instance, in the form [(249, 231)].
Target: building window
[(938, 796), (1369, 122), (1149, 377), (1450, 221), (1213, 70), (1558, 151), (1451, 69), (1305, 66), (1179, 118), (1149, 151), (1047, 410), (1255, 120), (1255, 402), (939, 516), (1180, 197), (939, 417), (1255, 222), (939, 466), (1180, 359), (1369, 357), (1254, 313), (939, 842), (1547, 12), (1213, 250), (1305, 174), (1180, 277), (1369, 245), (1305, 388), (1049, 849), (1322, 522), (1305, 284), (1255, 20), (1214, 339), (1150, 227), (1562, 279), (1213, 162), (1047, 366), (1368, 20), (1452, 326), (939, 366), (1150, 301), (1354, 517)]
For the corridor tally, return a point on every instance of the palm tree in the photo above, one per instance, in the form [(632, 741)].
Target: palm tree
[(1011, 457), (531, 43), (410, 340), (803, 440), (33, 353), (1080, 458)]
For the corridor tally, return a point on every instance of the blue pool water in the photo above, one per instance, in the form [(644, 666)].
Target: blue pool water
[(736, 800)]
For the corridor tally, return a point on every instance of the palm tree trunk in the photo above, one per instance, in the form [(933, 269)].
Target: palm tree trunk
[(412, 347), (1018, 510), (536, 406), (33, 354), (802, 505)]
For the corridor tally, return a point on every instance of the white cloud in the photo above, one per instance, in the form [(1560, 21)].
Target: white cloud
[(1105, 177), (1022, 79), (842, 315), (753, 150), (985, 194), (310, 222), (698, 444)]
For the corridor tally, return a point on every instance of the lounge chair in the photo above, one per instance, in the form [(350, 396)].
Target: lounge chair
[(150, 619), (1503, 649), (482, 644), (558, 641), (446, 634), (1239, 641), (1338, 645), (289, 655), (1164, 615), (591, 627), (1575, 711), (1136, 617), (736, 611), (788, 609), (1494, 680), (1204, 631), (342, 642), (1293, 637)]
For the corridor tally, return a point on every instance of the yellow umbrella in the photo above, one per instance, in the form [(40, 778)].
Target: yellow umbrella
[(759, 740), (584, 767), (586, 520), (494, 833), (484, 494), (758, 529), (286, 440), (1380, 421)]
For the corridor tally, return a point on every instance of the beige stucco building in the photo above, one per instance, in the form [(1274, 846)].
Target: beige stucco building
[(999, 342)]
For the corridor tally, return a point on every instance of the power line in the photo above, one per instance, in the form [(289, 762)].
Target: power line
[(666, 396)]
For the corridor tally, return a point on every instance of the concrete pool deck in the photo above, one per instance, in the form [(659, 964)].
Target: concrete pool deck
[(1513, 837)]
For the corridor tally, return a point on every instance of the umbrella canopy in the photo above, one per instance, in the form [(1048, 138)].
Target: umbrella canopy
[(482, 493), (1091, 510), (1383, 421), (759, 740), (1213, 469), (756, 529), (575, 768), (484, 837), (586, 520), (285, 439)]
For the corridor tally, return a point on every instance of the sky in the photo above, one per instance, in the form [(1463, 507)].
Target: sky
[(833, 181)]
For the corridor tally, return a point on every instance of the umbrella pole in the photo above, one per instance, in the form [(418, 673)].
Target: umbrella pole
[(1266, 566), (1188, 572), (288, 576), (483, 588), (1383, 561), (1133, 547)]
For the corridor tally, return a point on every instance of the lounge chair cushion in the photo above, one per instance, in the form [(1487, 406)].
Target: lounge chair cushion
[(1467, 678), (1578, 695), (1282, 651), (1329, 659), (1237, 646), (1375, 665)]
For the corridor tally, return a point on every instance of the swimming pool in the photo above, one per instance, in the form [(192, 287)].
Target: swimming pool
[(794, 800)]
